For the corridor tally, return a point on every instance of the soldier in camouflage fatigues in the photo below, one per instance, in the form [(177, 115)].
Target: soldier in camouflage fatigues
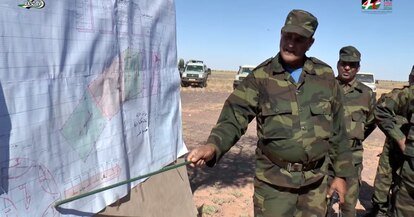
[(400, 102), (390, 162), (297, 105), (359, 104)]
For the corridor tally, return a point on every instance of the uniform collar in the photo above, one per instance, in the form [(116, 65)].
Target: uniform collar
[(354, 84), (277, 66)]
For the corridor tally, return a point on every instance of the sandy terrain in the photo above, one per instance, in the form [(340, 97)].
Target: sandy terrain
[(227, 189)]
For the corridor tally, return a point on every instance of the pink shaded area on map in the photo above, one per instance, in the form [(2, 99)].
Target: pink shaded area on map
[(105, 90), (93, 181)]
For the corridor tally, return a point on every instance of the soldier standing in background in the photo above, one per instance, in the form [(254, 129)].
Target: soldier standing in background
[(297, 105), (390, 161), (400, 102), (359, 104), (181, 66)]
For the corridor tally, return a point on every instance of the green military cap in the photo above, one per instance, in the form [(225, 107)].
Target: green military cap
[(349, 54), (301, 22)]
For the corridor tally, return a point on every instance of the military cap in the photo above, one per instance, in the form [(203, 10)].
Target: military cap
[(300, 22), (349, 54)]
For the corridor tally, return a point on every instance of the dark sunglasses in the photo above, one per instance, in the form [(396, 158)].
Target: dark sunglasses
[(350, 64)]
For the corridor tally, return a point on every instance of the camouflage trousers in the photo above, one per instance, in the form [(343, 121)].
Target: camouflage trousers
[(274, 201), (404, 200), (352, 185), (352, 193), (390, 161)]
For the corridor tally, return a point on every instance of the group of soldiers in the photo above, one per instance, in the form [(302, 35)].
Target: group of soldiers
[(391, 112), (310, 127), (393, 187)]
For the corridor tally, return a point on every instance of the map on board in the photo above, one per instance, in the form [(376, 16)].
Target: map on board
[(89, 97)]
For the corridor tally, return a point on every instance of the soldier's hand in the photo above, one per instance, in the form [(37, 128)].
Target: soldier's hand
[(201, 155), (338, 185), (401, 144)]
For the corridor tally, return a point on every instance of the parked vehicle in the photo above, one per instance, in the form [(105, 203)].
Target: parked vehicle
[(367, 79), (195, 74), (244, 70)]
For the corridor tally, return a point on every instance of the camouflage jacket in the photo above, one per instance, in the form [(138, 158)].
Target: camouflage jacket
[(359, 104), (399, 102), (296, 122)]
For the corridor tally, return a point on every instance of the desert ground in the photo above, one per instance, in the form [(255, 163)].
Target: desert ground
[(227, 189)]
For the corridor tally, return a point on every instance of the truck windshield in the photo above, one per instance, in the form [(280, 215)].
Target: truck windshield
[(365, 78), (246, 70), (194, 68)]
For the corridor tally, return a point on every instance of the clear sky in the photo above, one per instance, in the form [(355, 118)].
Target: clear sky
[(229, 33)]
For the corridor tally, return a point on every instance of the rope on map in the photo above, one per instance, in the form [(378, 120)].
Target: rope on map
[(70, 199)]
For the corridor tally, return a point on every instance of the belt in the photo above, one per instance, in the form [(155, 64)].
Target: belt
[(295, 167), (299, 167)]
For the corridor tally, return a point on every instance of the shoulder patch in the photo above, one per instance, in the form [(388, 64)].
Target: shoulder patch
[(266, 62)]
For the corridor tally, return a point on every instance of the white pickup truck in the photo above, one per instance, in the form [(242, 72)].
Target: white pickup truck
[(367, 79), (195, 74), (244, 70)]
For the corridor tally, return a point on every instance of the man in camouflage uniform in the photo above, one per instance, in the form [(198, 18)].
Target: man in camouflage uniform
[(400, 103), (297, 105), (359, 104), (390, 161)]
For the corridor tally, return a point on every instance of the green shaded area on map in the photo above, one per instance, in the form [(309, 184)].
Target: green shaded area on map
[(84, 126)]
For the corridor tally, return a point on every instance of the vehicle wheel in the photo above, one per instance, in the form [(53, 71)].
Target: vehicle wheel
[(205, 83)]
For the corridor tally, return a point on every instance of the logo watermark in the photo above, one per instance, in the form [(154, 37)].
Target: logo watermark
[(38, 4), (376, 6)]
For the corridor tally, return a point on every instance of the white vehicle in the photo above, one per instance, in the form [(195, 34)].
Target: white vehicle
[(195, 73), (367, 79), (244, 70)]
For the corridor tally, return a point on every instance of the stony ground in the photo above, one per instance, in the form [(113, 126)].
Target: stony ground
[(227, 189)]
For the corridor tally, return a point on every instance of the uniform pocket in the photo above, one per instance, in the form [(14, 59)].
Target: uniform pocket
[(322, 119), (357, 125), (276, 122)]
